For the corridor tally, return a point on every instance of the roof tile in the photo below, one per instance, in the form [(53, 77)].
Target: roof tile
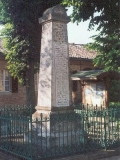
[(79, 51), (75, 51)]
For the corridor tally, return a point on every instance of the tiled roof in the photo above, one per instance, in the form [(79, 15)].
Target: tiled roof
[(91, 74), (79, 51), (75, 51)]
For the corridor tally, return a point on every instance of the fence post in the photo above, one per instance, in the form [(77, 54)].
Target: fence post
[(83, 133), (31, 149), (105, 130)]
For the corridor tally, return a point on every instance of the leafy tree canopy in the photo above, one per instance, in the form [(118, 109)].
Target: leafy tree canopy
[(22, 38), (86, 9), (108, 51), (106, 15), (22, 33)]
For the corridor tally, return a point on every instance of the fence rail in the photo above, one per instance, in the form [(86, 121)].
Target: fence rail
[(59, 134), (14, 123)]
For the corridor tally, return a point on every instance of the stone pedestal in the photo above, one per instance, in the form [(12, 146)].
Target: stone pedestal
[(58, 130)]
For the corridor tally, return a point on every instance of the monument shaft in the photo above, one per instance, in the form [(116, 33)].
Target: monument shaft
[(54, 81)]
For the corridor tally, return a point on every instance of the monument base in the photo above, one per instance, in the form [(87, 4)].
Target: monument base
[(55, 129), (43, 109)]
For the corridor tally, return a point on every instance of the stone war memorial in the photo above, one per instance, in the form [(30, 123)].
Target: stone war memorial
[(54, 78), (54, 93), (53, 89)]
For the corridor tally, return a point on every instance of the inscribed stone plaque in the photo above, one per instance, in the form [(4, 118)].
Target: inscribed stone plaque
[(59, 32), (61, 74)]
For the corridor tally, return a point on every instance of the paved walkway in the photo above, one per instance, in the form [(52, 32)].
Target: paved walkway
[(98, 155)]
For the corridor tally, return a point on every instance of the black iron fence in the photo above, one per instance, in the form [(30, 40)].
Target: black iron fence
[(14, 123), (60, 134)]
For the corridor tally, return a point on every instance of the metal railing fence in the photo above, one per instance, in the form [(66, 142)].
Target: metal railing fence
[(60, 134), (102, 127), (14, 123)]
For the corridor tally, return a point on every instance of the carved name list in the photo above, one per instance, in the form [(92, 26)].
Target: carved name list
[(61, 64)]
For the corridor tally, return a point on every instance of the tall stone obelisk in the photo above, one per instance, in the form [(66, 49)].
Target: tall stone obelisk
[(54, 77)]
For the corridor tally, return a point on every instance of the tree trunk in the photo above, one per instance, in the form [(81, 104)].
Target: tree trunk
[(107, 82), (30, 86)]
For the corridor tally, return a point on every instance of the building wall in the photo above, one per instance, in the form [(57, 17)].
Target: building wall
[(9, 98), (80, 65), (76, 66), (13, 98), (19, 98)]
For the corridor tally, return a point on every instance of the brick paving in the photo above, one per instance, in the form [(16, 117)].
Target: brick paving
[(96, 155)]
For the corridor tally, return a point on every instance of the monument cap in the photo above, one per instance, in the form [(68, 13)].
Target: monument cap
[(56, 13)]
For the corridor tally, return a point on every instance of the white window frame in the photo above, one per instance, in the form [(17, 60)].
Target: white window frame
[(3, 81)]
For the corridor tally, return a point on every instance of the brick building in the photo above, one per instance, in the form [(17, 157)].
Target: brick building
[(13, 93), (81, 59), (10, 91)]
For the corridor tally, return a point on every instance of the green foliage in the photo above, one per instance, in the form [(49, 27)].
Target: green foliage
[(114, 105), (86, 9), (107, 43), (22, 39), (22, 33), (108, 51), (11, 50), (114, 91)]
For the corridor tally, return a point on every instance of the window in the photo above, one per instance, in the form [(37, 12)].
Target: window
[(4, 81)]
